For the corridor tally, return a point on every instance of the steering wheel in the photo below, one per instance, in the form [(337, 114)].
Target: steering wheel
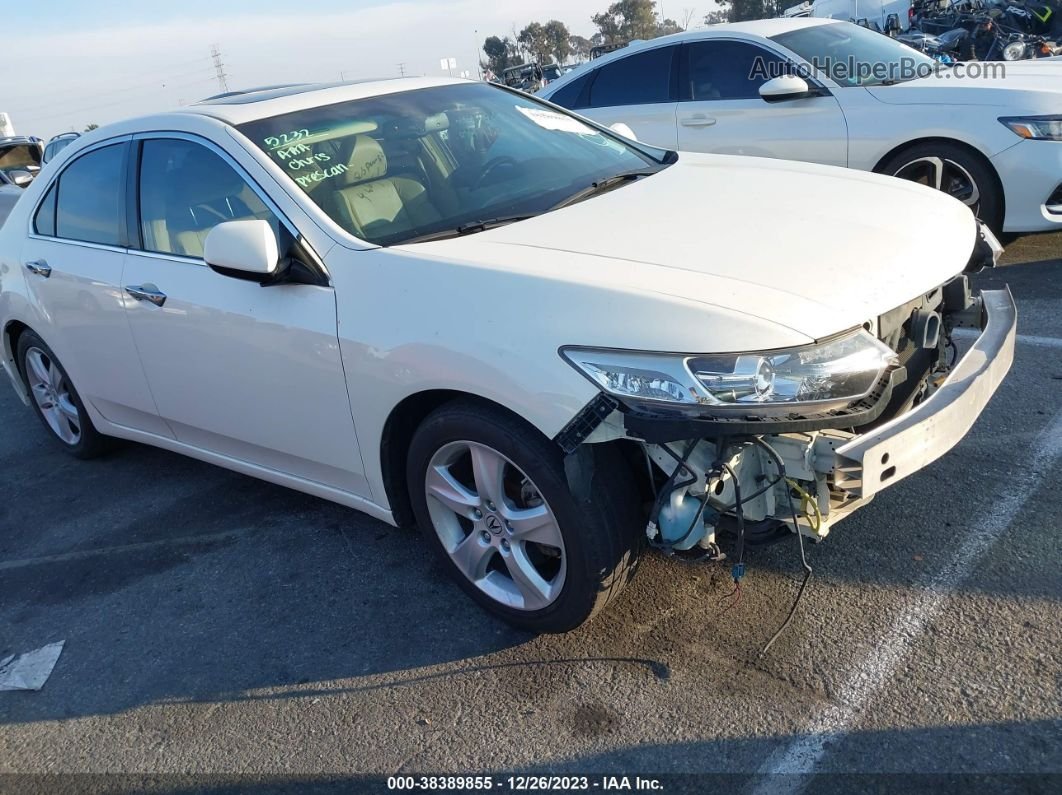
[(491, 166)]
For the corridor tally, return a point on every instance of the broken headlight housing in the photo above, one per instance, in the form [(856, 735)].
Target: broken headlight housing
[(825, 375)]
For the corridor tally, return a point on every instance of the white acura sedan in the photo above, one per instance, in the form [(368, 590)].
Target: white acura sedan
[(832, 92), (448, 303)]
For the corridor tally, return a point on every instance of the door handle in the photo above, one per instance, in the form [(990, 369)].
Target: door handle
[(39, 267), (147, 292), (699, 120)]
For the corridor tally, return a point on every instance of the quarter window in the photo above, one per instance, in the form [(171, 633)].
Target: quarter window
[(44, 222), (185, 191), (639, 79), (729, 70), (90, 194)]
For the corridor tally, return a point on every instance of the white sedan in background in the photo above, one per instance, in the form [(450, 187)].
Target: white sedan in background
[(450, 302), (989, 134)]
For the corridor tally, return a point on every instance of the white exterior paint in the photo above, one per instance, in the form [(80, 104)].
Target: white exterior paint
[(859, 127), (713, 254)]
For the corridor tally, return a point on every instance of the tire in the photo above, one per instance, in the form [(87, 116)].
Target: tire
[(55, 400), (983, 194), (595, 525)]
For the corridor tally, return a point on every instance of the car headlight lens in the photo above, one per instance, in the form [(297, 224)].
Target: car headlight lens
[(1035, 128), (835, 372)]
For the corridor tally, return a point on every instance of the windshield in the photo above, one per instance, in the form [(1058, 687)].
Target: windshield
[(394, 168), (851, 55)]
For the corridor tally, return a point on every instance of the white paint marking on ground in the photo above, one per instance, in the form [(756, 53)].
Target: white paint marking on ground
[(1024, 339), (789, 770)]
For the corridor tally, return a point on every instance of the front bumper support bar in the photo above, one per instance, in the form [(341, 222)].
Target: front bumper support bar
[(880, 458)]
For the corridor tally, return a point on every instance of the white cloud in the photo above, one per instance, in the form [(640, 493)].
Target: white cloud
[(122, 70)]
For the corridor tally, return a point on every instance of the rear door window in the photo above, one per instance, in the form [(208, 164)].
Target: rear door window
[(90, 197)]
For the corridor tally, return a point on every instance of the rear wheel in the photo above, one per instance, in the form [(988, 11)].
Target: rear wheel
[(543, 545), (55, 400), (956, 171)]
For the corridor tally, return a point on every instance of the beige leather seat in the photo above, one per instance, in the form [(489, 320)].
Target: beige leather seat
[(375, 205)]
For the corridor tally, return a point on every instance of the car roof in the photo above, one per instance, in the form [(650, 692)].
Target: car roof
[(240, 107), (758, 28)]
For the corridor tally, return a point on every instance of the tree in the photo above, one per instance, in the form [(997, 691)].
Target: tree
[(667, 27), (499, 53), (534, 40), (627, 20), (687, 17), (91, 127), (557, 36), (742, 10), (580, 47)]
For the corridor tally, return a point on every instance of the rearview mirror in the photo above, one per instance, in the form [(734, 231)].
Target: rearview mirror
[(21, 178), (243, 250), (622, 129), (785, 87)]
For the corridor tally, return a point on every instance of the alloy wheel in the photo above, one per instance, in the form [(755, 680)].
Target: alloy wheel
[(495, 525), (51, 392), (945, 175)]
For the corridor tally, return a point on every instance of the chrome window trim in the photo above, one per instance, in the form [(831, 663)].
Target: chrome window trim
[(68, 241), (179, 258)]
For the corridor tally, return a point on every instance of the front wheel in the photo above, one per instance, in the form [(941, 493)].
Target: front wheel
[(955, 171), (540, 544)]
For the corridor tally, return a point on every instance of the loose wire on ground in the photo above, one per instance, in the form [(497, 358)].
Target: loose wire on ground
[(800, 541)]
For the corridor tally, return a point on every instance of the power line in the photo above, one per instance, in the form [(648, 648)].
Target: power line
[(94, 107), (164, 73), (219, 68), (153, 85)]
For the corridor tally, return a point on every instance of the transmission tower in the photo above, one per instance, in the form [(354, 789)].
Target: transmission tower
[(219, 68), (402, 69)]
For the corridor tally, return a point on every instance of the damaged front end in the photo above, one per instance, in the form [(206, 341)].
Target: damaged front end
[(767, 443)]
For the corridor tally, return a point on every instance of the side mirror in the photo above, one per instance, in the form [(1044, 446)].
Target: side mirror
[(622, 129), (21, 178), (785, 87), (243, 250)]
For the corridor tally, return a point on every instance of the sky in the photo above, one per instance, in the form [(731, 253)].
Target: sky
[(75, 62)]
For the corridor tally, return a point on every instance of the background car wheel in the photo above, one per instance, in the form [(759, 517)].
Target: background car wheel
[(55, 400), (955, 170), (541, 542)]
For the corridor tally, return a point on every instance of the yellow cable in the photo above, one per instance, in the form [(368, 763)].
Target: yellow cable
[(806, 501)]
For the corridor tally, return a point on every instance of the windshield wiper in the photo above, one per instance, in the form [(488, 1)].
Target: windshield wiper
[(467, 229), (602, 185)]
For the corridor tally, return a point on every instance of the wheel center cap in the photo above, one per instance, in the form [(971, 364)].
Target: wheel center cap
[(494, 524)]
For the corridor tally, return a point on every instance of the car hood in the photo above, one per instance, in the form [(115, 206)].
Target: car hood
[(815, 249), (1023, 85)]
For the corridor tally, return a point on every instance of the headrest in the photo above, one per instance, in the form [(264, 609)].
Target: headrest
[(367, 161)]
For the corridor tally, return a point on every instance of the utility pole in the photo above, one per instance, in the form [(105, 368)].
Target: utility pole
[(219, 69), (402, 69)]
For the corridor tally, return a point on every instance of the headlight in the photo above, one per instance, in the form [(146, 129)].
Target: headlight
[(1035, 128), (829, 374)]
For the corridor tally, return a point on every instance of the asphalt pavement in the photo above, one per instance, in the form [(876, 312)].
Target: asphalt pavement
[(219, 628)]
